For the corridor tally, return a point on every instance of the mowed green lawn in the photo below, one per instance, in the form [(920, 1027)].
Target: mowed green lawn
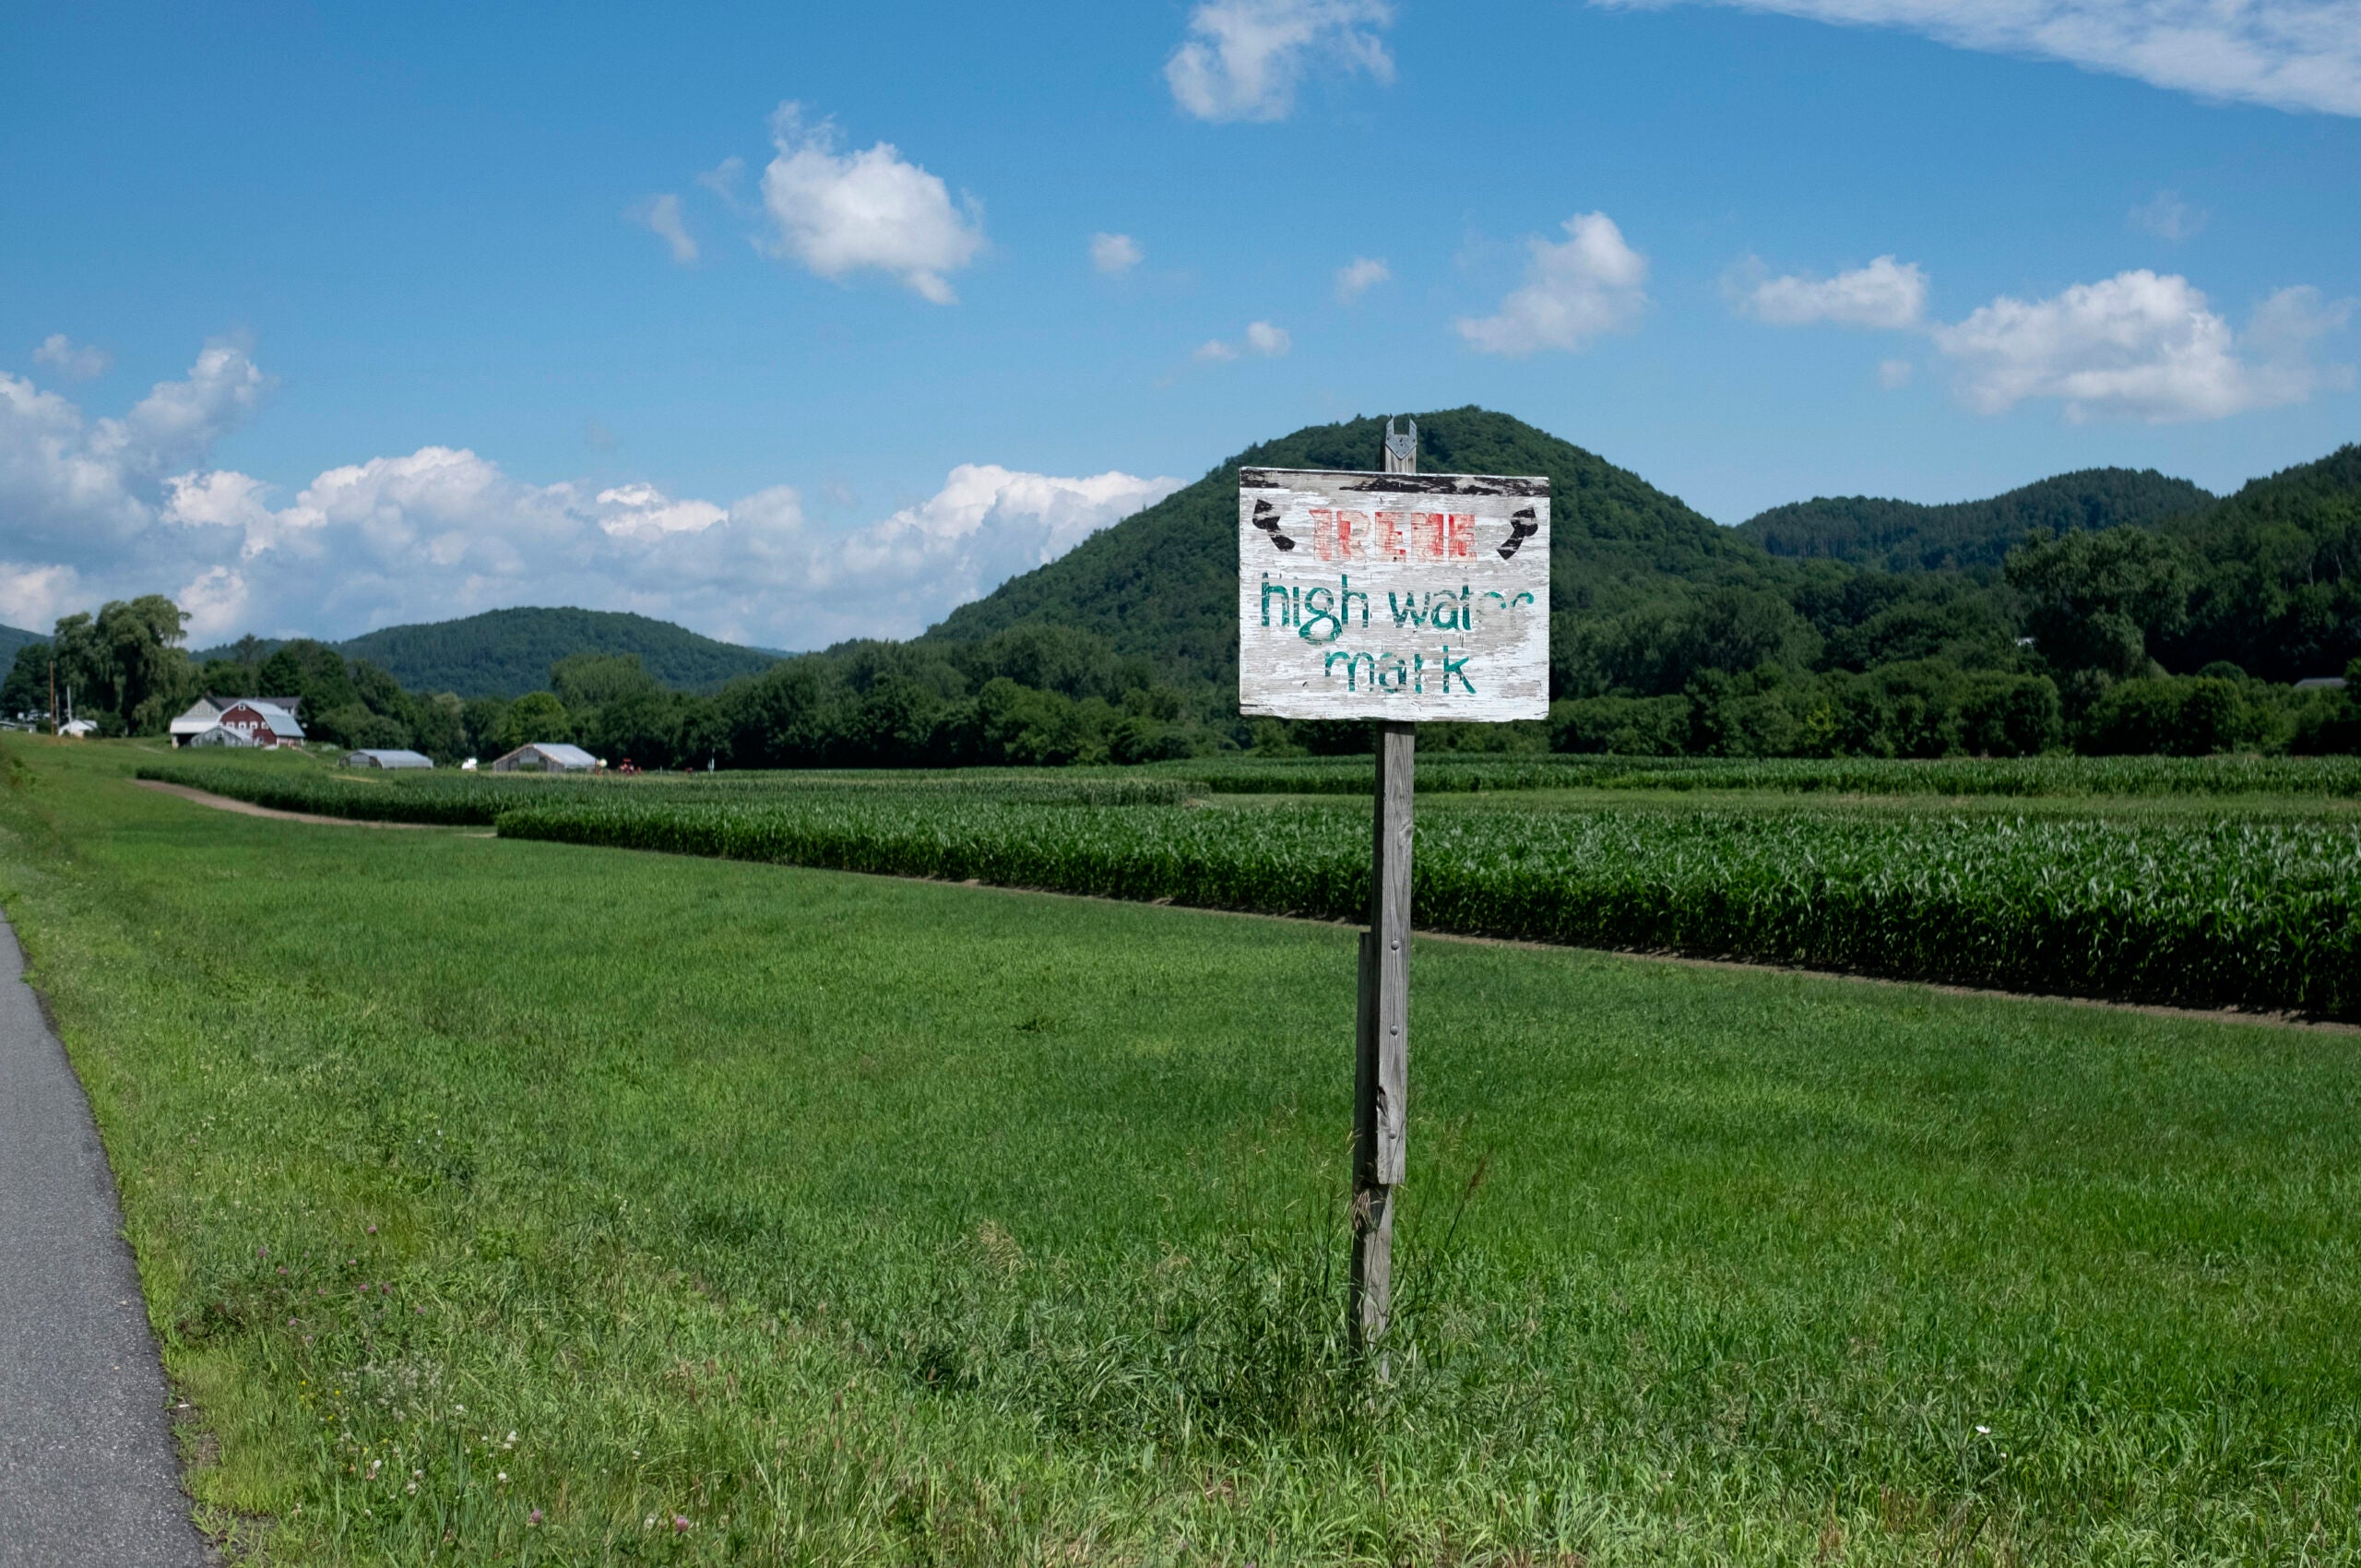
[(735, 1213)]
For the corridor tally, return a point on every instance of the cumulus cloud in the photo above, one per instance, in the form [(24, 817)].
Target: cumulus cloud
[(1358, 276), (1261, 338), (2297, 55), (75, 362), (1885, 295), (660, 216), (215, 603), (2144, 346), (642, 511), (1575, 291), (843, 212), (67, 481), (1243, 59), (34, 597), (2169, 217), (98, 509), (1115, 255)]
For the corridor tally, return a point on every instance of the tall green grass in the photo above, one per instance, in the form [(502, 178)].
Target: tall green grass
[(850, 1220), (2233, 913)]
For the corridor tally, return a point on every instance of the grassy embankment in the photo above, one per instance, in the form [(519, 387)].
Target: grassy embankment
[(846, 1219), (2166, 901)]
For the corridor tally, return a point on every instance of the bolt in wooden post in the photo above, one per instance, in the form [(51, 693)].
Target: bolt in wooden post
[(1381, 1075)]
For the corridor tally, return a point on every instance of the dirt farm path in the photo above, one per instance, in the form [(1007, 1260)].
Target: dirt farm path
[(247, 808)]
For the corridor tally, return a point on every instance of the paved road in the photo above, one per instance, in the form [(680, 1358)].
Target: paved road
[(90, 1477)]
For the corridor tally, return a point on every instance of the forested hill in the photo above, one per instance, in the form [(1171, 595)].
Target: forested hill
[(1904, 536), (508, 652), (14, 637), (2277, 578), (1162, 585)]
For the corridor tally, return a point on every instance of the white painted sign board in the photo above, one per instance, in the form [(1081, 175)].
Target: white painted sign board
[(1395, 595)]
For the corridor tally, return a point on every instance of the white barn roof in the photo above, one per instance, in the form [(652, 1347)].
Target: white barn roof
[(553, 753)]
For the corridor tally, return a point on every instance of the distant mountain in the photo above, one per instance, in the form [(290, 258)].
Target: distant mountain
[(1162, 583), (1904, 536), (508, 652), (14, 637)]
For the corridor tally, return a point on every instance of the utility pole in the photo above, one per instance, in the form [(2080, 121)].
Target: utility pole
[(1381, 1075)]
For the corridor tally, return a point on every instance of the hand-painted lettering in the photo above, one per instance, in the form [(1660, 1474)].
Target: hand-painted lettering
[(1319, 605), (1456, 667), (1287, 606)]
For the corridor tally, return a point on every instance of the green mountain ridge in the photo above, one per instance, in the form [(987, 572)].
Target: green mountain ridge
[(14, 637), (508, 652), (1162, 584), (1908, 535)]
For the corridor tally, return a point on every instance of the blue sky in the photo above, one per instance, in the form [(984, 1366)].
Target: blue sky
[(325, 319)]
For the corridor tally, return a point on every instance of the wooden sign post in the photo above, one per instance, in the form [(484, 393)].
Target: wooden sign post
[(1394, 596)]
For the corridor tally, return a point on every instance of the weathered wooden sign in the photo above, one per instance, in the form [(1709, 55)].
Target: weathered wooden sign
[(1400, 596)]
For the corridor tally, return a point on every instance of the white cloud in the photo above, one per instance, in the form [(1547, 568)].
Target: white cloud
[(2298, 55), (1895, 374), (642, 511), (33, 597), (74, 484), (75, 362), (96, 512), (2170, 216), (726, 180), (1259, 338), (1358, 276), (2142, 346), (838, 213), (1576, 290), (1244, 59), (660, 216), (1883, 294), (215, 603), (1115, 255)]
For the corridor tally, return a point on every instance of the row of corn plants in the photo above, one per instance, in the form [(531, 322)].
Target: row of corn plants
[(1446, 772), (456, 798), (2224, 913)]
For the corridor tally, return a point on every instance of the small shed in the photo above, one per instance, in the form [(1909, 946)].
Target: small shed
[(385, 758), (546, 756), (203, 717)]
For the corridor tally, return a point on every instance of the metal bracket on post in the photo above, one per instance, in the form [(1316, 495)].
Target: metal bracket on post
[(1401, 451), (1382, 1036)]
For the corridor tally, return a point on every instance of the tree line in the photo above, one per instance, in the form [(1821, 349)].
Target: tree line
[(2119, 640)]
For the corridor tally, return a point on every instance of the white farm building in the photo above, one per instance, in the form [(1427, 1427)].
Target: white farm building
[(546, 756)]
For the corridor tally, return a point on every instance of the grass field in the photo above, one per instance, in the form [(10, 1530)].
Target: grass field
[(743, 1213), (2244, 899)]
